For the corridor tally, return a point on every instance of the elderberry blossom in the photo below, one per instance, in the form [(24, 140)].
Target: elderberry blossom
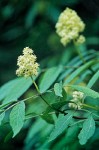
[(69, 26), (27, 63), (76, 102)]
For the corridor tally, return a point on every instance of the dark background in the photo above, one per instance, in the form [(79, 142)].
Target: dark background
[(32, 23)]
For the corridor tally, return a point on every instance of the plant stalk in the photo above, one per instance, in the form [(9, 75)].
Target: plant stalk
[(58, 110)]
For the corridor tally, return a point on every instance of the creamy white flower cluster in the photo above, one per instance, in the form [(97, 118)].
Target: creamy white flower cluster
[(77, 100), (27, 63), (69, 26), (80, 40)]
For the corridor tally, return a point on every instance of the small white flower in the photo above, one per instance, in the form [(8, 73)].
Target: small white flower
[(77, 100), (27, 63)]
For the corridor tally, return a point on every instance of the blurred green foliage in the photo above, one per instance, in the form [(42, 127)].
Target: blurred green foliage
[(32, 23)]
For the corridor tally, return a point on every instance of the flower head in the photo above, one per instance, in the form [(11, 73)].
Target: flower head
[(69, 26), (80, 40), (27, 63), (77, 100), (78, 95)]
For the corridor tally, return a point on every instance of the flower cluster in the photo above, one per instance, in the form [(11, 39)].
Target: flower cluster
[(80, 40), (69, 26), (27, 63), (76, 102)]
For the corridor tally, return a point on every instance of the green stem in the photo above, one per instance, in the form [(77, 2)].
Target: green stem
[(44, 99), (89, 106), (58, 110), (35, 85), (79, 53)]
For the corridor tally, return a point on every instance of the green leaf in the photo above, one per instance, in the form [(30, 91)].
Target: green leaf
[(71, 134), (49, 78), (36, 127), (78, 62), (60, 125), (5, 89), (58, 89), (94, 78), (59, 104), (48, 118), (87, 91), (56, 105), (78, 72), (15, 89), (1, 117), (8, 137), (64, 94), (87, 130), (17, 117)]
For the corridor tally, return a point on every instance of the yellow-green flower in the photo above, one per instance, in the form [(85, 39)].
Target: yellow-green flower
[(27, 63), (80, 40), (69, 26)]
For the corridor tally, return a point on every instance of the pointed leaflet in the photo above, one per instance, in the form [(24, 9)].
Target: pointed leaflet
[(49, 78), (17, 117), (78, 72), (12, 90), (71, 134), (36, 127), (87, 130), (58, 89), (60, 125), (1, 117), (94, 78), (77, 62)]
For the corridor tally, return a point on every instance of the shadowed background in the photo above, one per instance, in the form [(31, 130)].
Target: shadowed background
[(32, 23)]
